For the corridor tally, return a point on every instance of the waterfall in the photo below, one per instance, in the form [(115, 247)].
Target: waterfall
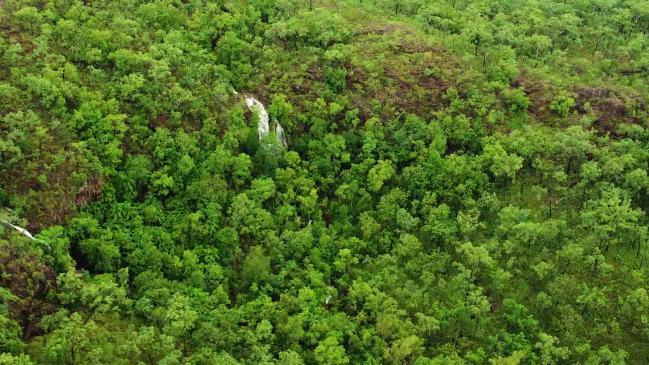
[(264, 120), (281, 136), (27, 233), (263, 127), (19, 229)]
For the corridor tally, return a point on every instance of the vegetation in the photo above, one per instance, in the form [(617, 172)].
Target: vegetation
[(464, 182)]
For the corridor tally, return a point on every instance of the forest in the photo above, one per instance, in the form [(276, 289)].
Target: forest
[(324, 182)]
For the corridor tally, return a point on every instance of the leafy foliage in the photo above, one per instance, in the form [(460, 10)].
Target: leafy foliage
[(464, 182)]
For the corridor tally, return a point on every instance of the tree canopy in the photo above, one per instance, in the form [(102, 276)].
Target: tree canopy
[(443, 182)]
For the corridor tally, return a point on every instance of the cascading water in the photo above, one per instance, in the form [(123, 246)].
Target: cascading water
[(281, 136), (263, 127), (19, 229)]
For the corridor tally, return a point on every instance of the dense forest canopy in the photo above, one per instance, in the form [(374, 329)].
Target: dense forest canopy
[(463, 182)]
